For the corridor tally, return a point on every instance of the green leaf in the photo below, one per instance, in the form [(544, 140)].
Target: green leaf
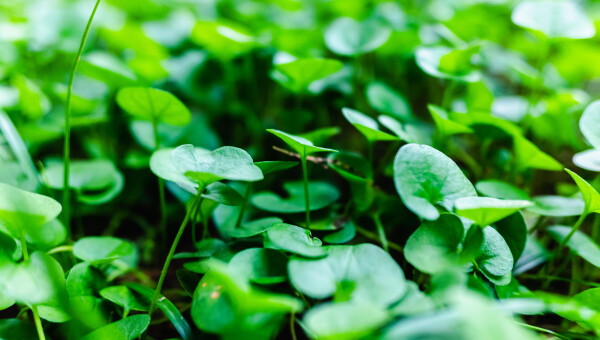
[(557, 206), (367, 126), (94, 181), (444, 62), (50, 235), (445, 126), (345, 320), (153, 105), (107, 68), (487, 210), (21, 210), (495, 259), (321, 194), (434, 246), (501, 190), (300, 73), (259, 265), (268, 167), (189, 166), (590, 195), (385, 100), (321, 135), (588, 159), (368, 271), (294, 239), (424, 177), (589, 120), (528, 155), (17, 329), (346, 234), (514, 231), (301, 145), (224, 39), (124, 297), (101, 248), (347, 36), (255, 227), (402, 131), (556, 19), (126, 329), (579, 243), (224, 194)]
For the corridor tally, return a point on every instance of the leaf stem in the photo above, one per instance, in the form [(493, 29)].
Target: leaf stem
[(60, 249), (306, 194), (238, 223), (161, 187), (375, 237), (163, 274), (292, 325), (67, 145), (38, 323), (381, 232), (541, 330)]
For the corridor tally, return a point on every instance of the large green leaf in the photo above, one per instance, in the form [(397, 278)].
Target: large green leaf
[(495, 260), (154, 105), (363, 273), (424, 177), (556, 19)]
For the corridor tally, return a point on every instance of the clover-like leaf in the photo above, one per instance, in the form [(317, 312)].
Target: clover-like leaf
[(434, 246), (154, 105), (487, 210), (363, 273), (590, 195), (301, 145), (95, 181), (294, 239), (321, 195), (260, 265), (126, 329), (424, 177), (579, 243), (589, 120), (344, 320), (23, 211), (367, 126), (347, 36), (556, 19), (299, 74)]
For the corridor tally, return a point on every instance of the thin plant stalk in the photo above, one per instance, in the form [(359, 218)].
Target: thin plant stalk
[(34, 309), (381, 232), (163, 274), (161, 186), (306, 195), (238, 223), (67, 146), (562, 245)]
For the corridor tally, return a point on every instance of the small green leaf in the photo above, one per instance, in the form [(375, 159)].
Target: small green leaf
[(299, 74), (367, 126), (126, 329), (374, 275), (424, 177), (301, 145), (590, 195), (514, 231), (501, 190), (294, 239), (260, 265), (445, 126), (528, 155), (21, 210), (321, 194), (347, 36), (487, 210), (385, 100), (102, 248), (124, 297), (224, 194), (495, 260), (442, 62), (434, 246), (153, 105), (556, 19), (589, 120), (557, 206), (346, 320), (344, 235), (579, 243), (255, 227), (588, 159), (268, 167)]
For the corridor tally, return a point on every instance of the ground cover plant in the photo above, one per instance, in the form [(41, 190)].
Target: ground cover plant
[(286, 169)]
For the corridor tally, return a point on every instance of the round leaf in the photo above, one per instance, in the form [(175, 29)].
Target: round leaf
[(294, 240), (347, 36), (556, 19), (321, 195), (154, 105), (259, 265), (346, 320)]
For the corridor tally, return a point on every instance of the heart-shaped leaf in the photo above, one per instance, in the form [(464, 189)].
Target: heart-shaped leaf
[(424, 177), (95, 181), (294, 239), (363, 273), (579, 243), (556, 19), (321, 195), (367, 126), (434, 246), (347, 36), (487, 210), (345, 320), (260, 265), (153, 105), (299, 74), (23, 211), (301, 145)]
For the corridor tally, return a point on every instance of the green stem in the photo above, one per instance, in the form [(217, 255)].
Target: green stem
[(38, 323), (306, 195), (561, 246), (381, 232), (375, 237), (292, 326), (238, 223), (67, 145), (542, 330), (161, 186), (163, 274), (60, 249)]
